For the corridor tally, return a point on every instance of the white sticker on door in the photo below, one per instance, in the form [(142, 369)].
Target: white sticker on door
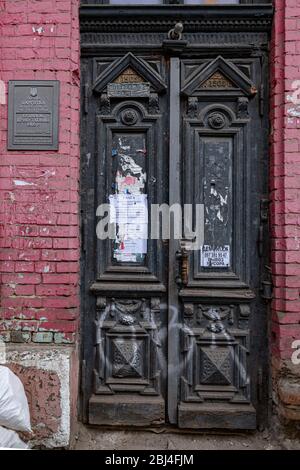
[(215, 256)]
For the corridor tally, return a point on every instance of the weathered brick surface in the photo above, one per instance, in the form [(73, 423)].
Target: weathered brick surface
[(285, 198), (50, 381), (42, 388), (39, 224), (39, 239)]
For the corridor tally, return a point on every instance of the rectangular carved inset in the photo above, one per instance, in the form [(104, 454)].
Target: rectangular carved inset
[(127, 358), (215, 353), (216, 162), (129, 203), (126, 346), (216, 365)]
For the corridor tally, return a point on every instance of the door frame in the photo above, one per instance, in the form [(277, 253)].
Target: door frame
[(234, 19)]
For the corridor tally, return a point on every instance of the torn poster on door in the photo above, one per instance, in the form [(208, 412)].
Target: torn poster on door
[(130, 214), (215, 256), (130, 247), (130, 184), (128, 208)]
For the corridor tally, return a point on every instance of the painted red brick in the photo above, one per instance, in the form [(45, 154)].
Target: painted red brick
[(285, 188), (39, 232)]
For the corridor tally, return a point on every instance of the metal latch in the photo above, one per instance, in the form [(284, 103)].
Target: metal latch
[(182, 257), (264, 215)]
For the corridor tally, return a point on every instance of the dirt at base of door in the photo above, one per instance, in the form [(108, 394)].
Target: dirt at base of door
[(89, 438)]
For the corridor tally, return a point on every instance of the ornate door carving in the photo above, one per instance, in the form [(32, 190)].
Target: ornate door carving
[(129, 120), (169, 335), (220, 304)]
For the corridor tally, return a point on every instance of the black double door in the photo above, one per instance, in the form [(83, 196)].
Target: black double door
[(174, 332)]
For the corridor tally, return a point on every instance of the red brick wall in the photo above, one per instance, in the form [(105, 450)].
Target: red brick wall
[(39, 190), (39, 231), (285, 199)]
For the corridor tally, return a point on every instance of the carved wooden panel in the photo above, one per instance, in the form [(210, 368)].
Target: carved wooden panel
[(217, 80), (127, 357), (137, 340), (216, 154), (128, 69), (221, 141), (215, 136), (129, 76), (129, 154), (130, 164), (219, 76), (126, 347), (130, 150), (215, 349)]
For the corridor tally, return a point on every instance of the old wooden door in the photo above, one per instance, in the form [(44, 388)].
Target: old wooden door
[(172, 334)]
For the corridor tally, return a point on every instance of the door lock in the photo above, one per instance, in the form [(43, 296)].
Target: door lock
[(182, 257)]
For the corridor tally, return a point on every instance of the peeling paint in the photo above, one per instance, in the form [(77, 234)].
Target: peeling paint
[(47, 174), (128, 164), (2, 92), (129, 184), (217, 186), (129, 152), (294, 112), (23, 183), (294, 98), (58, 361), (12, 197), (38, 30), (88, 158), (216, 210)]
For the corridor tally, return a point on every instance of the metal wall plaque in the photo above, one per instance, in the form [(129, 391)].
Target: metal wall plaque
[(128, 90), (33, 115)]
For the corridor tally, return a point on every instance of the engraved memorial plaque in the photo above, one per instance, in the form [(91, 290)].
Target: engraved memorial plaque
[(33, 115)]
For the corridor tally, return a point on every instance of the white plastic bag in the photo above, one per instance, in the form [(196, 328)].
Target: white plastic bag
[(14, 411), (10, 440)]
